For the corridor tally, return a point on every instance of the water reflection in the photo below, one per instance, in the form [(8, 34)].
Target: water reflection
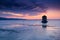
[(30, 30), (44, 25)]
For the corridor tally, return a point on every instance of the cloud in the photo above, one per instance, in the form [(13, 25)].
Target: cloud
[(31, 7)]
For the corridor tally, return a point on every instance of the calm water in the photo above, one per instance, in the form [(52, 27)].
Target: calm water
[(29, 30)]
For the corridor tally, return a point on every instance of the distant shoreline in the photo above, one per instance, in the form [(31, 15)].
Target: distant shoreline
[(2, 18)]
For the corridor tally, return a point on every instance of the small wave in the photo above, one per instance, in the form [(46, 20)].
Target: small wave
[(9, 30)]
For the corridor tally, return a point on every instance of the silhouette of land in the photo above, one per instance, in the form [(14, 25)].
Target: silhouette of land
[(2, 18)]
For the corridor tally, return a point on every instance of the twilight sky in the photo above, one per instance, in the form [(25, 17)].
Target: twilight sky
[(30, 9)]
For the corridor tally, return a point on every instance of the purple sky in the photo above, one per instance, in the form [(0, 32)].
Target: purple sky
[(31, 7)]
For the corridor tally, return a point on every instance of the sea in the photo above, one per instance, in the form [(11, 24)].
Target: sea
[(29, 30)]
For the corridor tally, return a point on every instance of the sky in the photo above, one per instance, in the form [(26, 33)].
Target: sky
[(30, 9)]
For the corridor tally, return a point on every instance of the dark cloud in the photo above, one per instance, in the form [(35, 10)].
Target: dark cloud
[(28, 6)]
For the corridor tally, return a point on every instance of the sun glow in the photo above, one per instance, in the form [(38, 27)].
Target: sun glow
[(51, 14)]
